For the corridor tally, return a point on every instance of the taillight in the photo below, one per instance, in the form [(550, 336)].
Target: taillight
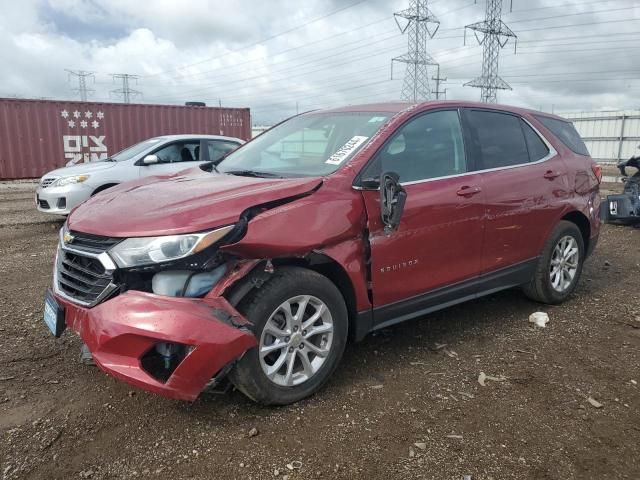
[(597, 171)]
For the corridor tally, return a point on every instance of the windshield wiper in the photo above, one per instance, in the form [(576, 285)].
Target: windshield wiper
[(253, 173)]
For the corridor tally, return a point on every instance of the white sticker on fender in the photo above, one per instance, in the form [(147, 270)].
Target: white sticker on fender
[(347, 149)]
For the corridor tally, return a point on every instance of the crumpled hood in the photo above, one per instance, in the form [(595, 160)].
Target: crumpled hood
[(190, 201), (81, 169)]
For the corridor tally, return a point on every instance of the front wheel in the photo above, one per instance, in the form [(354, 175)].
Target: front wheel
[(560, 265), (300, 322)]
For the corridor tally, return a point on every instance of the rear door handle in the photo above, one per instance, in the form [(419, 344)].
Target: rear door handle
[(551, 174), (467, 191)]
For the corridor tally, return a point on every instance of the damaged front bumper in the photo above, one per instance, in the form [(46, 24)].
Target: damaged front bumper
[(124, 334)]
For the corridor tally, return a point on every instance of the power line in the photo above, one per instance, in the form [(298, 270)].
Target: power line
[(257, 76), (315, 42), (573, 25), (286, 78), (264, 39), (227, 72), (126, 92), (229, 69), (553, 39), (82, 77), (496, 34)]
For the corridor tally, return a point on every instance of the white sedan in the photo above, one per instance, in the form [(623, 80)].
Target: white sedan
[(61, 190)]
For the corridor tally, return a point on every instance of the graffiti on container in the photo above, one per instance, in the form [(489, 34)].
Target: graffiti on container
[(83, 148), (75, 148)]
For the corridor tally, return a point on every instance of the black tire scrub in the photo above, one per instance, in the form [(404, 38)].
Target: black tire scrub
[(540, 288), (287, 282)]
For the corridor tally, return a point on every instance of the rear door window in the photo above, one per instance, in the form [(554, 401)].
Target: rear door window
[(537, 148), (498, 139), (566, 133)]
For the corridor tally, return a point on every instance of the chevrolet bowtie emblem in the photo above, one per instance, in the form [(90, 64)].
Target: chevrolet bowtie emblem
[(67, 237)]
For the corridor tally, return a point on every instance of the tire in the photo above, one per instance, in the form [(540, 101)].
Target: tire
[(542, 287), (266, 308)]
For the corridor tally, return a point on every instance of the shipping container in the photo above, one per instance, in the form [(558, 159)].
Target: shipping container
[(40, 135)]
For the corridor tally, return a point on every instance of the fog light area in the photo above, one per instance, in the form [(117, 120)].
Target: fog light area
[(162, 360), (185, 283)]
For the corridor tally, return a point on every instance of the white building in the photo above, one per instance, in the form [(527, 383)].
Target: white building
[(609, 136)]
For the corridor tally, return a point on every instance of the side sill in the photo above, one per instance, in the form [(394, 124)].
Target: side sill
[(445, 297)]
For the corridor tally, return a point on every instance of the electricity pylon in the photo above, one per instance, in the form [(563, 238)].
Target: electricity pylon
[(494, 36), (418, 28)]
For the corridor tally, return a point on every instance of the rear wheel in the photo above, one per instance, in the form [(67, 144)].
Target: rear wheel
[(560, 265), (300, 322)]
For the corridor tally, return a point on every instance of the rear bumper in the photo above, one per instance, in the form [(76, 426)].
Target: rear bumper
[(120, 331)]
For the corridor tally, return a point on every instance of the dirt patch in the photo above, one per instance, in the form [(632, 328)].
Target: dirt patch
[(400, 405)]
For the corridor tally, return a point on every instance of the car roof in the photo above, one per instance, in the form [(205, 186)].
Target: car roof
[(186, 136), (397, 107)]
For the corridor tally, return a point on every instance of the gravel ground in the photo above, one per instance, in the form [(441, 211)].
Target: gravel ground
[(405, 403)]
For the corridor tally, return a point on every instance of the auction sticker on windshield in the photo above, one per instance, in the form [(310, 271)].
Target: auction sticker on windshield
[(346, 150)]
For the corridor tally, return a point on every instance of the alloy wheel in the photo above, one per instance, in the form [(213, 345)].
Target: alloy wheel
[(296, 340), (564, 263)]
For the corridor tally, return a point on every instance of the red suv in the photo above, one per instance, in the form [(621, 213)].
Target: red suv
[(328, 226)]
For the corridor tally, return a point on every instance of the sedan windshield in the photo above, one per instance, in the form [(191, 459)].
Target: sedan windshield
[(307, 145), (130, 152)]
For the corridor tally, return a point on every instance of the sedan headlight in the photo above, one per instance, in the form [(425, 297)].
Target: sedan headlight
[(61, 182), (134, 252)]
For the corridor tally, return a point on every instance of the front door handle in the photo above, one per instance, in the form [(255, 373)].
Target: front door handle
[(551, 174), (467, 191)]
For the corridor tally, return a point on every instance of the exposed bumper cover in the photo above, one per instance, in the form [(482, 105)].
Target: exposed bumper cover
[(120, 331)]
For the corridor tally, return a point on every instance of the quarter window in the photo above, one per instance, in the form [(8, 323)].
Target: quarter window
[(498, 138), (566, 133), (429, 146), (219, 148), (537, 148)]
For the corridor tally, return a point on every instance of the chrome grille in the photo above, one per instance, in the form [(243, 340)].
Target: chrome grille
[(81, 278), (84, 271), (45, 182)]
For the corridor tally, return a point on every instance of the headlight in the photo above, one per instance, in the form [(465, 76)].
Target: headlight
[(134, 252), (61, 182)]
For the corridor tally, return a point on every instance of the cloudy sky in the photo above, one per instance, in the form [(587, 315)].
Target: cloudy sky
[(277, 56)]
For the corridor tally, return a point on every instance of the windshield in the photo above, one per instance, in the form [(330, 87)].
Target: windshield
[(130, 152), (307, 145)]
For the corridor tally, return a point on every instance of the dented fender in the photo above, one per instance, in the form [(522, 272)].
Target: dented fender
[(327, 217)]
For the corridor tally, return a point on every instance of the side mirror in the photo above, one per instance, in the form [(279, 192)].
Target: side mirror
[(150, 160), (392, 200)]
